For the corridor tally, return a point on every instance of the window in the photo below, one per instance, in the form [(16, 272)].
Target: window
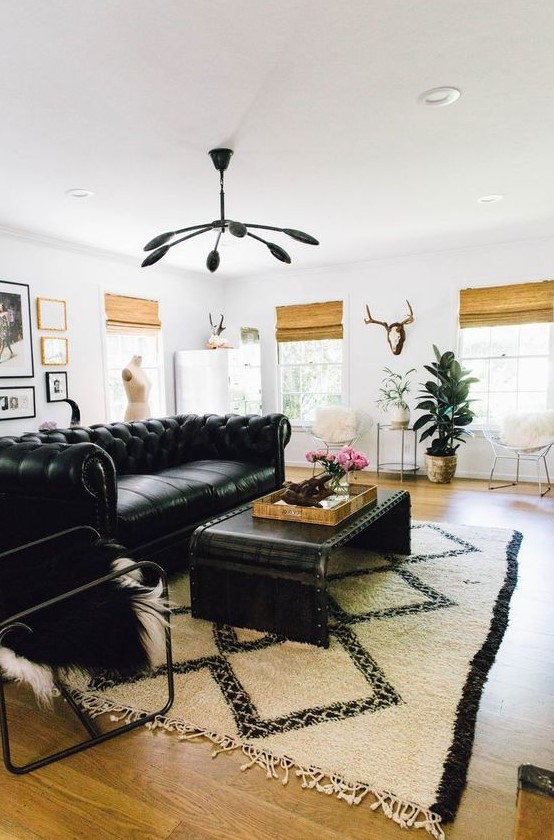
[(309, 343), (245, 380), (133, 328), (506, 340), (512, 364)]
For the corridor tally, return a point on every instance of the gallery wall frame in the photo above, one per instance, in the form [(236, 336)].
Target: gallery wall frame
[(56, 386), (16, 403), (54, 350), (51, 314), (16, 346)]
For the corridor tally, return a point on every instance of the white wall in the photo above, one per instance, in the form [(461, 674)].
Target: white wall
[(81, 278), (430, 282)]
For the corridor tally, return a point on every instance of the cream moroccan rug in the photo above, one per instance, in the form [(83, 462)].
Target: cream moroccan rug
[(386, 715)]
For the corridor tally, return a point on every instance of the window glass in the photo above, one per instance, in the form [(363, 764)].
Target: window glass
[(310, 375), (245, 377), (514, 367), (120, 348)]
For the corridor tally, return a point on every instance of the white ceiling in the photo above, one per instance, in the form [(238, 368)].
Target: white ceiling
[(318, 99)]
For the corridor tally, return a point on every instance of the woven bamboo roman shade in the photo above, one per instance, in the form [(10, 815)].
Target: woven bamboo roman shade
[(309, 321), (124, 312), (522, 303)]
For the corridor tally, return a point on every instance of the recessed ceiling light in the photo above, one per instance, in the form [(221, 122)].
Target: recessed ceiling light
[(489, 199), (77, 192), (439, 96)]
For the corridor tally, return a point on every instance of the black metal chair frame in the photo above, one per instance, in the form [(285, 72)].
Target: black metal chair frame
[(95, 736)]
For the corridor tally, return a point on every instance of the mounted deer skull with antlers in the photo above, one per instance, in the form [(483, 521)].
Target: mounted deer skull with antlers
[(217, 329), (396, 334), (216, 340)]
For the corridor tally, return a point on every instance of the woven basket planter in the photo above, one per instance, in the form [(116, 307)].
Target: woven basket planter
[(441, 468)]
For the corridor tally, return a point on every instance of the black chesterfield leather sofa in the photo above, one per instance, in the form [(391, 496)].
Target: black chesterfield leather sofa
[(147, 484)]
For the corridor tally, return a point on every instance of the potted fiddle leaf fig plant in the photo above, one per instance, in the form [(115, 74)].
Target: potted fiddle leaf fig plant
[(394, 389), (447, 414)]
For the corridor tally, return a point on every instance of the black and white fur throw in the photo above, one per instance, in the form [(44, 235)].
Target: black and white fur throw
[(118, 626)]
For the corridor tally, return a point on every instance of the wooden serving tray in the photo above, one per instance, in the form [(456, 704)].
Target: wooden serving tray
[(360, 495)]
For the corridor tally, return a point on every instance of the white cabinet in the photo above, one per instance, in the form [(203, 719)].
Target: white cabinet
[(223, 381), (202, 381)]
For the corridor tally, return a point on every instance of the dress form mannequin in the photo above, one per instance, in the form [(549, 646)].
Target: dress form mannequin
[(137, 388)]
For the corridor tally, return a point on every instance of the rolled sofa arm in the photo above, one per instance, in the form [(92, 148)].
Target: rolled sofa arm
[(258, 438), (48, 487)]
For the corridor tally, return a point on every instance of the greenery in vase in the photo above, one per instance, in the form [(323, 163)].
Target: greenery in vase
[(446, 405), (394, 388)]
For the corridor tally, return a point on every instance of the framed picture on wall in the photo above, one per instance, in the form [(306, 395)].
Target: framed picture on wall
[(54, 351), (51, 314), (56, 386), (16, 403), (16, 347)]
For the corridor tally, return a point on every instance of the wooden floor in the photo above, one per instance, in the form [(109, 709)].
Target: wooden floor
[(146, 785)]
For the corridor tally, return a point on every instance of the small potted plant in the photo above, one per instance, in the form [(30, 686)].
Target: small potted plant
[(393, 390), (447, 414)]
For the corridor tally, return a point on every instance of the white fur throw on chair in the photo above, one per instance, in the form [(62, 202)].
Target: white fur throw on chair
[(117, 626), (528, 430), (335, 424)]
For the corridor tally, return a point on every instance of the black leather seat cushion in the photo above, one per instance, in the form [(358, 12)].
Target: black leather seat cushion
[(175, 498)]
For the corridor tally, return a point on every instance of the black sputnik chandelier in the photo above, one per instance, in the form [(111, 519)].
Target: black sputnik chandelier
[(160, 245)]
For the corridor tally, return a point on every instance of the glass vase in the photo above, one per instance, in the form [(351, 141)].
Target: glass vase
[(338, 485)]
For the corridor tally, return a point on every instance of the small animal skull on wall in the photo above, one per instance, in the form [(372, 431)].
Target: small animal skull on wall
[(396, 334), (216, 340)]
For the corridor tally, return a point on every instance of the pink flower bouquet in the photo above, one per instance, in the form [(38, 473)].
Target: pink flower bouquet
[(346, 460)]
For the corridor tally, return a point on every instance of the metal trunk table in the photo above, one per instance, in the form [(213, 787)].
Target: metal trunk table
[(270, 575)]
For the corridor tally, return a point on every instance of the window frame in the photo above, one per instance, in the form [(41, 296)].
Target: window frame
[(469, 362), (130, 315), (307, 419)]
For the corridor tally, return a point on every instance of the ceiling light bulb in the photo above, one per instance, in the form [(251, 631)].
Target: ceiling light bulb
[(489, 199), (439, 96), (78, 192)]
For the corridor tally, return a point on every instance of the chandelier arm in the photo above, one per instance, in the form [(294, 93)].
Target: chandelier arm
[(299, 235), (156, 255), (190, 235), (163, 238), (263, 227), (278, 252), (259, 238), (194, 227)]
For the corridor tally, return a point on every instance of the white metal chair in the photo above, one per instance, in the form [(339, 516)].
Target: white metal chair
[(504, 450), (337, 426)]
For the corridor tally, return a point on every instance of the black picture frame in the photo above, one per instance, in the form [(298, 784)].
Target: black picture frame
[(17, 403), (56, 386), (16, 345)]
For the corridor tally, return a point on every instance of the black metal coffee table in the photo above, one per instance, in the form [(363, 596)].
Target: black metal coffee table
[(270, 575)]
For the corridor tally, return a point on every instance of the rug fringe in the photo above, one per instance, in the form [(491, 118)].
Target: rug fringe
[(405, 814)]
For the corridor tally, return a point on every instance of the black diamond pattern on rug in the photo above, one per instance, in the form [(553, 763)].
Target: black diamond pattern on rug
[(412, 595)]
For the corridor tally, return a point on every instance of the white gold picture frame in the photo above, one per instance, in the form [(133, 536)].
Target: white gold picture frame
[(51, 314), (54, 350)]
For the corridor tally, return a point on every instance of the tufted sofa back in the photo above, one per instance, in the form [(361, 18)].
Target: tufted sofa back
[(145, 447)]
